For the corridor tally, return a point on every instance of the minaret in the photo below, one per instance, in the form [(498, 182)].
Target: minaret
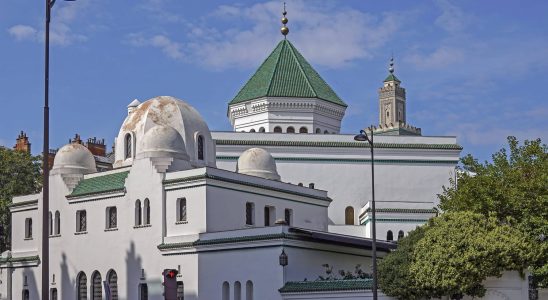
[(392, 107)]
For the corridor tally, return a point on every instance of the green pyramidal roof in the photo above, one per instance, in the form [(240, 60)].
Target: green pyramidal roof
[(285, 73), (392, 77)]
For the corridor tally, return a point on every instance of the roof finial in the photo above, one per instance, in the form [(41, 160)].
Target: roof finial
[(284, 29), (391, 68)]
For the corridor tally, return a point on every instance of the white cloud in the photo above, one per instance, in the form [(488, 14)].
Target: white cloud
[(452, 19), (439, 58), (23, 32), (170, 48), (60, 27)]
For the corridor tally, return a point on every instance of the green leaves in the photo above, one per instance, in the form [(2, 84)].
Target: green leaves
[(19, 175)]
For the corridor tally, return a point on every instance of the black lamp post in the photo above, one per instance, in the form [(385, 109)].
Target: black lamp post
[(45, 163), (362, 137)]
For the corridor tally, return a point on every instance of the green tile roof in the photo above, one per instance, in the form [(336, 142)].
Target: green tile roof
[(100, 184), (392, 77), (326, 285), (286, 73)]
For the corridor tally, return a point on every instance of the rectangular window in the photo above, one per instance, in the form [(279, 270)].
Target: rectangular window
[(181, 210), (269, 215), (249, 213), (81, 221), (288, 215), (111, 217), (143, 291), (28, 228)]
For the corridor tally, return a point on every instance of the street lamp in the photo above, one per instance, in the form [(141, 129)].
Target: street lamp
[(362, 137), (45, 162)]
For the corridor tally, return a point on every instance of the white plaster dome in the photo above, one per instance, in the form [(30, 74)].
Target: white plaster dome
[(164, 115), (74, 158), (163, 141), (257, 162)]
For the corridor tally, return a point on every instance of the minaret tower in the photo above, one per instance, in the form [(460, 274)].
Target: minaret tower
[(392, 107)]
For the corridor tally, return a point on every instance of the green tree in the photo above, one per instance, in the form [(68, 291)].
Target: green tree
[(513, 188), (460, 250), (395, 278), (20, 174)]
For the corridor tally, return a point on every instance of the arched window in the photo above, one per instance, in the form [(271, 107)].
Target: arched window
[(57, 222), (128, 146), (180, 290), (249, 213), (143, 291), (290, 129), (278, 129), (147, 212), (138, 214), (96, 289), (400, 234), (111, 217), (181, 210), (237, 290), (200, 147), (112, 279), (50, 223), (82, 287), (226, 291), (261, 129), (303, 130), (53, 294), (325, 132), (249, 290), (349, 215), (389, 236), (28, 228), (318, 130), (252, 130)]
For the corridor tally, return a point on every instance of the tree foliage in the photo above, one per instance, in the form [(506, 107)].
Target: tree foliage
[(513, 188), (395, 278), (452, 255), (460, 250), (20, 174)]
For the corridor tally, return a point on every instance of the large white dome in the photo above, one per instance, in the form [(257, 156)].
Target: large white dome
[(162, 141), (74, 158), (165, 115), (258, 162)]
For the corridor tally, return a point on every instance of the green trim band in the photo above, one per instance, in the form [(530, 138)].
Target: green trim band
[(24, 203), (395, 221), (352, 160), (337, 144), (327, 285), (402, 210), (35, 258)]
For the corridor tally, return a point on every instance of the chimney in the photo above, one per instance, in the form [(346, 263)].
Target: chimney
[(51, 157), (22, 143), (96, 146), (76, 139)]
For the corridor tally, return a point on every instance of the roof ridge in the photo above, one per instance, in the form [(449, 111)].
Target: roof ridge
[(271, 81), (302, 70)]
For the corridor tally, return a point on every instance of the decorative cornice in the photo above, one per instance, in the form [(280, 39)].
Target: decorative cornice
[(336, 144), (229, 180), (21, 259), (24, 203), (377, 220), (353, 160)]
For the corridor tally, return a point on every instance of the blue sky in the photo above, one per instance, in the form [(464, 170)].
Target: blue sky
[(477, 70)]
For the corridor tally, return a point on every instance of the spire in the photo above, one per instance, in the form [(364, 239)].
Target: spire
[(285, 29), (391, 76)]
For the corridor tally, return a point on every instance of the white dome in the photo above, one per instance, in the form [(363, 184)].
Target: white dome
[(166, 112), (163, 141), (257, 162), (74, 158)]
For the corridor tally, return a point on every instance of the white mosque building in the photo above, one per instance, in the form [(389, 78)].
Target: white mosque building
[(256, 213)]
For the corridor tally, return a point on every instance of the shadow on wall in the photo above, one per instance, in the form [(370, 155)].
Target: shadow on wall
[(68, 286), (29, 284)]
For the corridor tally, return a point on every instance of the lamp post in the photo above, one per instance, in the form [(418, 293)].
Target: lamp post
[(45, 164), (362, 137)]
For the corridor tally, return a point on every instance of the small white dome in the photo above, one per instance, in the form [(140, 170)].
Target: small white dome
[(74, 158), (163, 141), (257, 162)]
